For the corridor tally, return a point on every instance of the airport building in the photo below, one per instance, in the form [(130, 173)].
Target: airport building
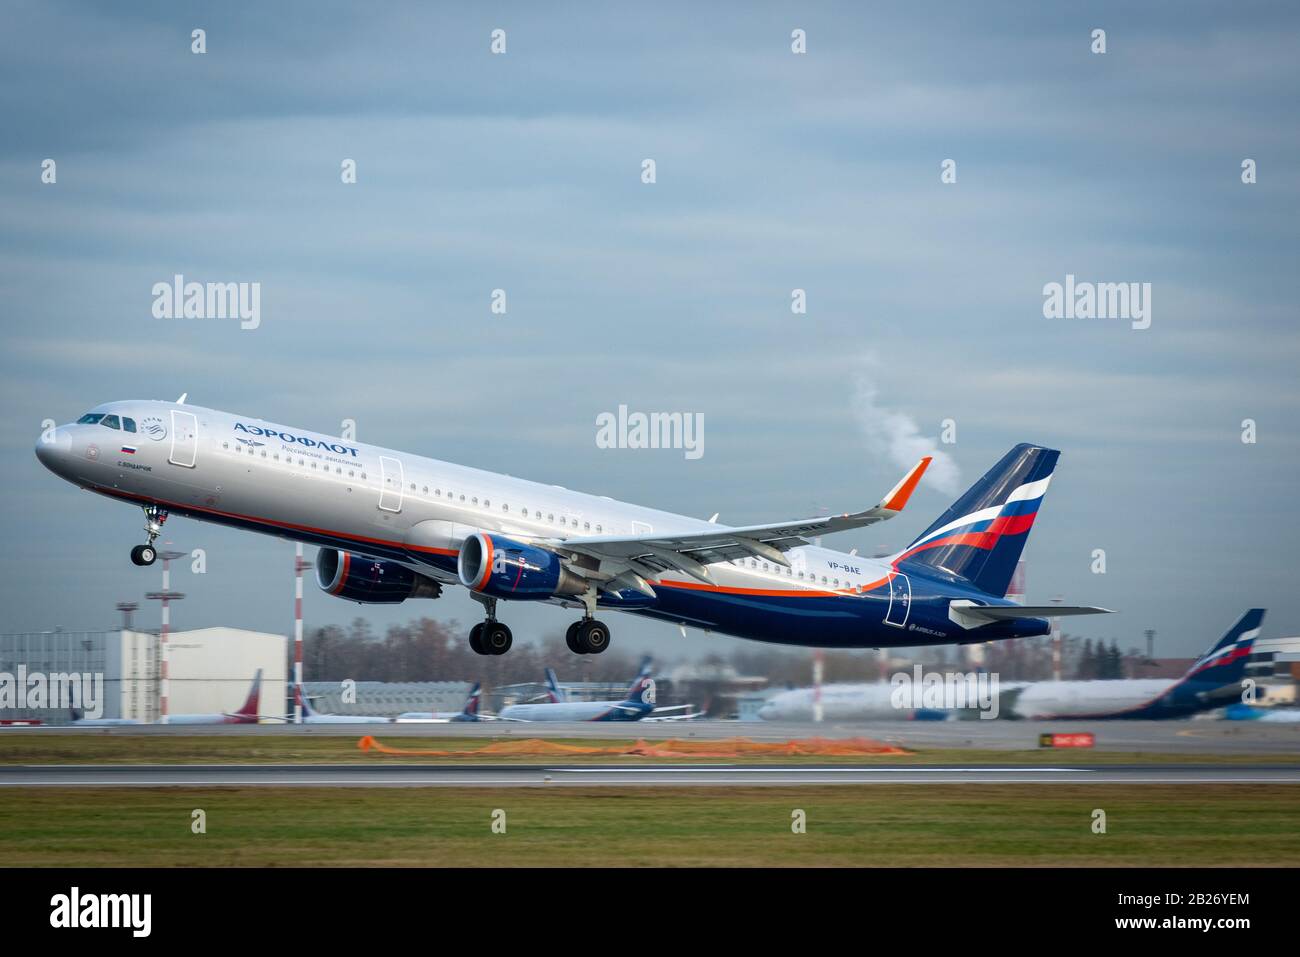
[(210, 670)]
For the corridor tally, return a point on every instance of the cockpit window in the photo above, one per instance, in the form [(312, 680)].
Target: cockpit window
[(128, 425), (110, 422), (90, 418)]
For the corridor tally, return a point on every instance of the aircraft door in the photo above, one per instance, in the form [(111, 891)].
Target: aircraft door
[(900, 601), (390, 484), (185, 439)]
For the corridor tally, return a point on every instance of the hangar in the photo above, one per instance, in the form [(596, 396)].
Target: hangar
[(209, 669)]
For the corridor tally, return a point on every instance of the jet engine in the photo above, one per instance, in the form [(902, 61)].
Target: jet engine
[(503, 568), (370, 581)]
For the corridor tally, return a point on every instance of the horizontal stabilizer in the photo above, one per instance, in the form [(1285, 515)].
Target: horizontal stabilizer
[(968, 614)]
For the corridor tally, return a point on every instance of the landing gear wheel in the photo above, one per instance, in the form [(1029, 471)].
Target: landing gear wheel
[(592, 636), (143, 555), (476, 639), (571, 638), (496, 638)]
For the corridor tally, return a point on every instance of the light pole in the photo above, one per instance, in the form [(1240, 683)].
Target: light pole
[(127, 608), (299, 566), (1056, 642), (819, 668), (166, 597)]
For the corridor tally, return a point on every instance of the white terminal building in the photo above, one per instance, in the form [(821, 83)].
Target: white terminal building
[(210, 670)]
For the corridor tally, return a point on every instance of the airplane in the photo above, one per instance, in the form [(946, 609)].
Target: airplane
[(1218, 668), (392, 526), (869, 701), (311, 716), (1213, 680), (247, 713), (469, 712), (637, 705), (1240, 711)]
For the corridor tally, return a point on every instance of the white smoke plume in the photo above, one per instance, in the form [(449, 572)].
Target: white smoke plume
[(895, 435)]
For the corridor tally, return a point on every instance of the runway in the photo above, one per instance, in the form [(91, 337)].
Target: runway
[(1165, 737), (549, 775)]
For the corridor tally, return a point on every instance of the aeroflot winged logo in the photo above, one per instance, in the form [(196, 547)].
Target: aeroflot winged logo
[(153, 427), (303, 440)]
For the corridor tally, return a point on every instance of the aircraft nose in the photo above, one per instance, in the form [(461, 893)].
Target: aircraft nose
[(53, 447)]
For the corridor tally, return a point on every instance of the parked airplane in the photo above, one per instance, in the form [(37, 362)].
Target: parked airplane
[(247, 713), (637, 705), (868, 701), (1240, 711), (311, 716), (1213, 681), (468, 713), (393, 526), (1219, 670)]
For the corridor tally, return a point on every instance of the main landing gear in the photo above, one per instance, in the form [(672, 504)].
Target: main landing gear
[(587, 637), (154, 517), (490, 637)]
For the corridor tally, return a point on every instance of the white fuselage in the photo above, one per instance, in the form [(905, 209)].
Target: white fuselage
[(1078, 699), (305, 485), (567, 711)]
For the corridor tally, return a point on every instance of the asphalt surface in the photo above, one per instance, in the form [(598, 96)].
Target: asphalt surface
[(1165, 737), (392, 775)]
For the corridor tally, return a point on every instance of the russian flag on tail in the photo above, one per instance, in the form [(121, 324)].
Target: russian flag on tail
[(980, 537)]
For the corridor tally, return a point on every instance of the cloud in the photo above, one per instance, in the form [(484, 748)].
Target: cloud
[(896, 436)]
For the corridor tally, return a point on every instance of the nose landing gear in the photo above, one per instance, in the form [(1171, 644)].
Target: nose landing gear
[(154, 517)]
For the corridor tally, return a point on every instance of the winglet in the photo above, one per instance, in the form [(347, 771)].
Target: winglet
[(901, 492)]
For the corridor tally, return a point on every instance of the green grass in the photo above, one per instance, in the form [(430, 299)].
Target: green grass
[(896, 825), (296, 748)]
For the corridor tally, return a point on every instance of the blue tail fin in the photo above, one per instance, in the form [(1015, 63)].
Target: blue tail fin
[(300, 693), (980, 538), (642, 690), (471, 703), (553, 687), (1225, 663)]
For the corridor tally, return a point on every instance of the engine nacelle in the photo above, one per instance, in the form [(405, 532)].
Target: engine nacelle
[(504, 568), (369, 580)]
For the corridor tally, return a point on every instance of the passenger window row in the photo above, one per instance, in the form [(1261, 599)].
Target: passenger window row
[(564, 521), (787, 572)]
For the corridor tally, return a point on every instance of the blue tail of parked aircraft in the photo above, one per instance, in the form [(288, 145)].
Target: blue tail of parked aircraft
[(307, 710), (641, 693), (470, 711), (1225, 663), (553, 690), (980, 538)]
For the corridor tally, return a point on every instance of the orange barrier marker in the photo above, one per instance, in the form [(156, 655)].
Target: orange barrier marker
[(671, 748)]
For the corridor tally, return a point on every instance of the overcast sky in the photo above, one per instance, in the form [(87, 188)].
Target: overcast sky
[(775, 171)]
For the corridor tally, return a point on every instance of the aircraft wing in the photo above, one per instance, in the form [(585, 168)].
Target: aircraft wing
[(648, 556), (657, 716)]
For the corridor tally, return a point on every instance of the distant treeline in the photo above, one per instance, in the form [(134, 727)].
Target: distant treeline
[(429, 650)]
